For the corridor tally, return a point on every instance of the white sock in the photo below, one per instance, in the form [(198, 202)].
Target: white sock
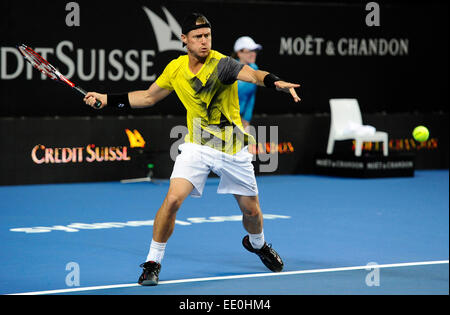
[(156, 252), (256, 240)]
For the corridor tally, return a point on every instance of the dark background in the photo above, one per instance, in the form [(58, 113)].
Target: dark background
[(417, 82), (395, 93)]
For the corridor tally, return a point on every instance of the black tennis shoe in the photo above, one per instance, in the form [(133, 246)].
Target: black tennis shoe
[(150, 274), (268, 255)]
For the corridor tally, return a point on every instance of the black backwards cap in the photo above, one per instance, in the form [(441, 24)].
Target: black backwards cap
[(190, 23)]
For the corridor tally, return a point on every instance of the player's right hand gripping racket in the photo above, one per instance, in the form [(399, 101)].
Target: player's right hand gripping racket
[(45, 67)]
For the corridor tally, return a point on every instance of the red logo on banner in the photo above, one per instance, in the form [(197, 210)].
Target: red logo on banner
[(402, 145), (271, 148), (40, 154)]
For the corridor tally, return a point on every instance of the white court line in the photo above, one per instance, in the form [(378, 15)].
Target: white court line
[(256, 275)]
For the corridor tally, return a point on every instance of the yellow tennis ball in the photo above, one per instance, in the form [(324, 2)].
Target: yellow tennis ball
[(421, 133)]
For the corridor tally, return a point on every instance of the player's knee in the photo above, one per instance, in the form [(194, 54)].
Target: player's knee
[(173, 202), (253, 211)]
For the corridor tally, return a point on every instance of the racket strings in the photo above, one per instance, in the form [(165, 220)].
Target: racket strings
[(38, 62)]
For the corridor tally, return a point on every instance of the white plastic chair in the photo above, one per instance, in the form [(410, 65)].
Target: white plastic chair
[(346, 124)]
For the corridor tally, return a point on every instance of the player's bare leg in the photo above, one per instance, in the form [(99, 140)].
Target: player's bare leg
[(163, 227), (252, 218), (254, 242), (164, 223)]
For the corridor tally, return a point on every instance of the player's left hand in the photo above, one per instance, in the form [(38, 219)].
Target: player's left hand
[(288, 88)]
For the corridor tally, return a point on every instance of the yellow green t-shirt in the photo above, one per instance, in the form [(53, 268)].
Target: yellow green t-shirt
[(211, 101)]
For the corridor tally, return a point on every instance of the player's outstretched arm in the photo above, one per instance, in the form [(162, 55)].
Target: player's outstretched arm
[(135, 99), (264, 78)]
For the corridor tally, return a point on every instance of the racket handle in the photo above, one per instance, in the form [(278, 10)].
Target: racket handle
[(97, 104)]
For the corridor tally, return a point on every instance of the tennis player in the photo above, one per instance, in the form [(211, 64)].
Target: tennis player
[(205, 82)]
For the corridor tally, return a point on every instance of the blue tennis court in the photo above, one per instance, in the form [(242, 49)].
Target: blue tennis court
[(90, 238)]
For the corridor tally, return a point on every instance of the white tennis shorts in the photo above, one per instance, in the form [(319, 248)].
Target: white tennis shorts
[(236, 172)]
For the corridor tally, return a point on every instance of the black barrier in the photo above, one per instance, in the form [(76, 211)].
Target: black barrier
[(80, 149), (308, 136), (401, 65), (84, 149)]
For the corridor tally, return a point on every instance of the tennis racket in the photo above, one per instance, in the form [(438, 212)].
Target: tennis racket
[(46, 68)]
